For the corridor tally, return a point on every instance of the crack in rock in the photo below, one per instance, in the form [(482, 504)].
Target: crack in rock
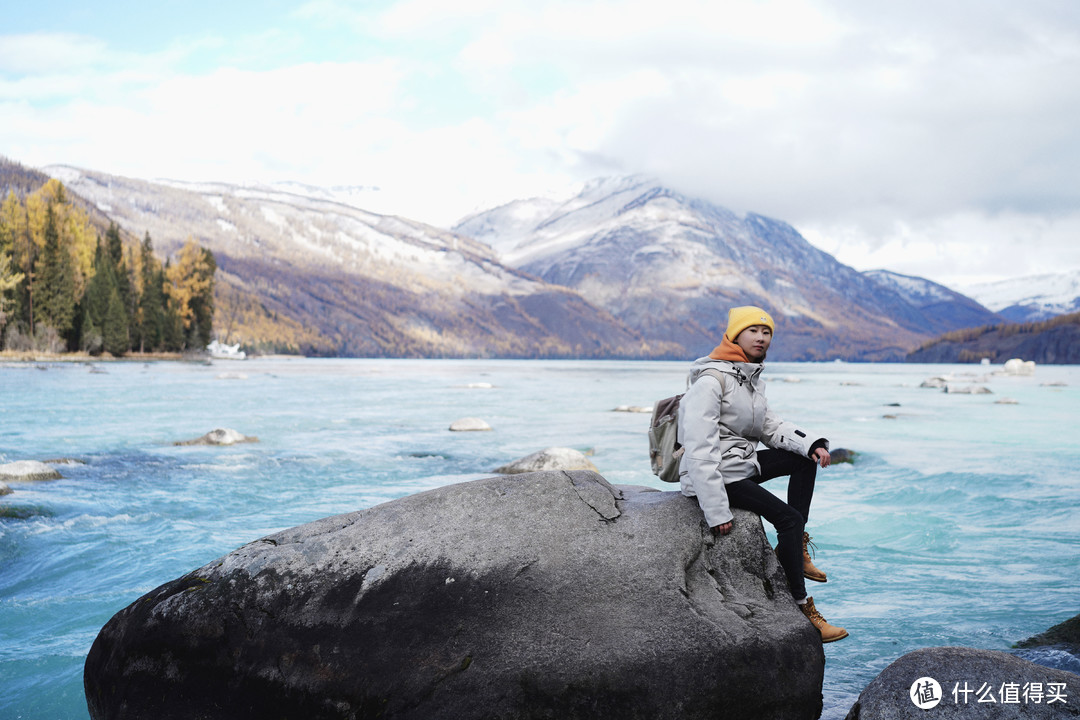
[(597, 493)]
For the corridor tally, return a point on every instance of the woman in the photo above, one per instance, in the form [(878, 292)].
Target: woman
[(722, 417)]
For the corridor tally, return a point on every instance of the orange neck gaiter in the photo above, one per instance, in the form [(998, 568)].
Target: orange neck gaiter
[(728, 350)]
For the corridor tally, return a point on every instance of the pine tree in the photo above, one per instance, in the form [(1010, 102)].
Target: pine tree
[(151, 326), (114, 331), (90, 339), (101, 286), (173, 320), (121, 277), (55, 301), (202, 304)]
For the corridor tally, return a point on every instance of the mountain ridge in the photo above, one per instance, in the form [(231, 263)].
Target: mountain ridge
[(363, 284), (616, 267), (670, 266), (1031, 298)]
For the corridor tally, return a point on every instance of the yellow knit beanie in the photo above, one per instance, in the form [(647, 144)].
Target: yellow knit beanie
[(743, 317)]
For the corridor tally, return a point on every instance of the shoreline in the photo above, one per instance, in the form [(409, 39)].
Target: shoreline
[(31, 356), (83, 357)]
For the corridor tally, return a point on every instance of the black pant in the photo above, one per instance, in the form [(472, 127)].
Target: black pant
[(789, 518)]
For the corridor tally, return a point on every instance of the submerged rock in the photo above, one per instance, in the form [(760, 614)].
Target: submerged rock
[(968, 390), (552, 458), (634, 409), (27, 471), (469, 424), (963, 676), (5, 489), (220, 436), (545, 595)]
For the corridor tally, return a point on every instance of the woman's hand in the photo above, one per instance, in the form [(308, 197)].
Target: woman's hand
[(722, 529), (821, 457)]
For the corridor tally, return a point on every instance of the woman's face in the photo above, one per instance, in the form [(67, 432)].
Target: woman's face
[(754, 341)]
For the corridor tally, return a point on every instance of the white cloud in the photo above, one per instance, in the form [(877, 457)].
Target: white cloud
[(887, 133), (958, 250)]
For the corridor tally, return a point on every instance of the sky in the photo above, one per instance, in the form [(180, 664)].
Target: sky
[(935, 138)]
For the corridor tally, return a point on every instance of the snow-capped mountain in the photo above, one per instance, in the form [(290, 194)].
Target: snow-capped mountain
[(670, 266), (933, 300), (369, 284), (1032, 298)]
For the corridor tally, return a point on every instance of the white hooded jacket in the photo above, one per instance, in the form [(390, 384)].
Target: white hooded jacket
[(720, 425)]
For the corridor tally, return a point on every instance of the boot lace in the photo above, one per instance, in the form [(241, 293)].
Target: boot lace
[(812, 613)]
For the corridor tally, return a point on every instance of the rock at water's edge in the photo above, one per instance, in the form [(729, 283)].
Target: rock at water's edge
[(1065, 633), (527, 596), (888, 696), (552, 458), (220, 436), (27, 471)]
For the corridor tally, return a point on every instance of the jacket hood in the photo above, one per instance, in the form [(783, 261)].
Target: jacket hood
[(749, 369)]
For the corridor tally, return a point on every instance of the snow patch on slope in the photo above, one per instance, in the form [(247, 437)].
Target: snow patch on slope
[(1047, 295)]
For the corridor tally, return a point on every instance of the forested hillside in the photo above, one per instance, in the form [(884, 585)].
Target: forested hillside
[(1054, 341), (65, 285)]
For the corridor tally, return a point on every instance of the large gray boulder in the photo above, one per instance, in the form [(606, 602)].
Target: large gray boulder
[(1008, 687), (542, 595)]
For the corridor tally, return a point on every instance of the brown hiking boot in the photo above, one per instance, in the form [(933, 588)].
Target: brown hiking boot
[(808, 570), (829, 633)]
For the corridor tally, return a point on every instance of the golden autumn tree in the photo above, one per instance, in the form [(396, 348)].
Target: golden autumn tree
[(190, 288), (9, 278)]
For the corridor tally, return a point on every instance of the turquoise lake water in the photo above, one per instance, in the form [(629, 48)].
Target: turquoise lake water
[(958, 525)]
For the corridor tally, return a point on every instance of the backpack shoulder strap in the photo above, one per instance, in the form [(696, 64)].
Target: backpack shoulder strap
[(719, 374)]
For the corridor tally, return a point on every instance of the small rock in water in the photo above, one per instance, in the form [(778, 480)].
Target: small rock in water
[(469, 424), (843, 455), (968, 390), (28, 470), (935, 382), (552, 458), (478, 386), (1016, 366), (634, 409), (1006, 401), (5, 489), (220, 436)]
